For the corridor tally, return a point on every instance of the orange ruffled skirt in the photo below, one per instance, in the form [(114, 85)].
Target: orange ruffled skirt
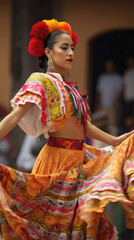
[(65, 195)]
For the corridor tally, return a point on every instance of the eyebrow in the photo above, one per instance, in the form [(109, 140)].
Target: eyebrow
[(67, 44)]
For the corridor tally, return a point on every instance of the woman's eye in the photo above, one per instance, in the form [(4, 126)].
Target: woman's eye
[(64, 48)]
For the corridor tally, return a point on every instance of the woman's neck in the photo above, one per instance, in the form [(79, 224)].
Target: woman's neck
[(63, 74), (60, 71)]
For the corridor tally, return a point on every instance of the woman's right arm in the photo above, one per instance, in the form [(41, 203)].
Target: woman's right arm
[(12, 119)]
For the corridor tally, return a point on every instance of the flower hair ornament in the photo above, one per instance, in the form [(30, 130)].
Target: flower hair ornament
[(40, 32)]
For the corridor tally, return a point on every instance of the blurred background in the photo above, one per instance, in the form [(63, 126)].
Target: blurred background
[(104, 66)]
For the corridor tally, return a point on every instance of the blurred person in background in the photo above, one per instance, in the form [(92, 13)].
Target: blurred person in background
[(108, 95), (128, 94), (7, 150), (29, 151), (26, 159)]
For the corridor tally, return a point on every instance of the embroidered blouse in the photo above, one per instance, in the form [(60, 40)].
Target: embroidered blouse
[(52, 107)]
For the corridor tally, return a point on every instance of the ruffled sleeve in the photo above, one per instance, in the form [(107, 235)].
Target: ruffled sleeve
[(40, 90)]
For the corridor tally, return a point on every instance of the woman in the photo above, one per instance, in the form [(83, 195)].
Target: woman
[(71, 183)]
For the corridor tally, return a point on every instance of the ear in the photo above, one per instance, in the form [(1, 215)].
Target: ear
[(48, 52)]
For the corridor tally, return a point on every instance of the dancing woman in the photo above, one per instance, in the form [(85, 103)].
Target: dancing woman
[(71, 183)]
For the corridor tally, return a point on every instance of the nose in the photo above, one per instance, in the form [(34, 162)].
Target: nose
[(70, 52)]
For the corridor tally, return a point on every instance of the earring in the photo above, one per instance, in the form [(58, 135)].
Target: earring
[(67, 75), (50, 66)]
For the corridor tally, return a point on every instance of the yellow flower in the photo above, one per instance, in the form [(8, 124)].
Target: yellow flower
[(52, 25)]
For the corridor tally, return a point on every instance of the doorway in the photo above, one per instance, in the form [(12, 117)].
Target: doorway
[(117, 44)]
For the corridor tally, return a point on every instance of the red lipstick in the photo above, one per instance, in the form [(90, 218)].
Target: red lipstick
[(70, 60)]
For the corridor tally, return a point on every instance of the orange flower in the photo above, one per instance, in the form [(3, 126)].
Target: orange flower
[(63, 26)]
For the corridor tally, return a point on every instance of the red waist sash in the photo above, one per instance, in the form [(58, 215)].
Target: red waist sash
[(65, 143)]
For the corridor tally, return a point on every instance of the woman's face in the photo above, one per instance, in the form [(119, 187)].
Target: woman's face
[(62, 53)]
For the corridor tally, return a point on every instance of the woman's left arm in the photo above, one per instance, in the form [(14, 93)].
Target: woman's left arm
[(96, 133)]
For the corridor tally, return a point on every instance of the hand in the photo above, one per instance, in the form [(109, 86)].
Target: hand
[(121, 138)]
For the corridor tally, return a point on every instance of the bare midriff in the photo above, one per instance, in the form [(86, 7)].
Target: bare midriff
[(71, 130)]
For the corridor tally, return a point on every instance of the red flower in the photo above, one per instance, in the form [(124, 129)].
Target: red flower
[(36, 47), (40, 30), (74, 39)]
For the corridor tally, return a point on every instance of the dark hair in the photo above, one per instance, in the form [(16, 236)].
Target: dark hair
[(49, 42)]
